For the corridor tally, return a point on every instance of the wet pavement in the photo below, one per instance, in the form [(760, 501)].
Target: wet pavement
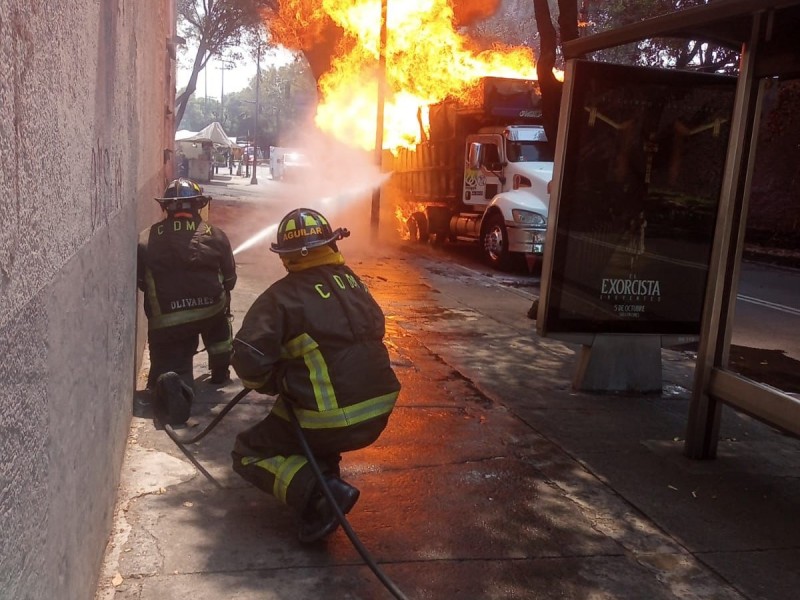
[(494, 479)]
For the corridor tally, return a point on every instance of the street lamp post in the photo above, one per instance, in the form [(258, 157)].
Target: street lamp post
[(225, 65), (254, 179), (376, 194)]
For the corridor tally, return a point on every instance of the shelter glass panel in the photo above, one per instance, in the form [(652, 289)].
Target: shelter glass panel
[(765, 340)]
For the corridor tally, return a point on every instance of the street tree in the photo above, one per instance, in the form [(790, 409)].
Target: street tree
[(214, 27)]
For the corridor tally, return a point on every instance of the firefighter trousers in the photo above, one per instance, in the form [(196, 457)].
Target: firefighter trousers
[(173, 348), (269, 455)]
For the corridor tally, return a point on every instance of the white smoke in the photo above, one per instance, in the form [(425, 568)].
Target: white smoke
[(339, 183)]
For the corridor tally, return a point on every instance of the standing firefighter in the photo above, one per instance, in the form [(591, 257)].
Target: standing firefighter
[(186, 270), (314, 339)]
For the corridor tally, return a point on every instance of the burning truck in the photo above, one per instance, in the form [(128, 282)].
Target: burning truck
[(481, 174)]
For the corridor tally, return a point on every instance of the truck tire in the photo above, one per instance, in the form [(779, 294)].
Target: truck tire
[(417, 225), (495, 243)]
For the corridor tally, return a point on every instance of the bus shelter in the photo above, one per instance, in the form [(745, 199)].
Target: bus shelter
[(765, 34)]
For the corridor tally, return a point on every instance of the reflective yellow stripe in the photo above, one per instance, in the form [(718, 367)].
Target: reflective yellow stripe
[(282, 468), (304, 345), (251, 460), (158, 320), (186, 316), (300, 345), (340, 417), (152, 298), (323, 388), (288, 469)]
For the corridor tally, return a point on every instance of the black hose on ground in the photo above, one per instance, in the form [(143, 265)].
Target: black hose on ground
[(174, 437), (180, 442), (351, 534), (388, 583), (171, 432)]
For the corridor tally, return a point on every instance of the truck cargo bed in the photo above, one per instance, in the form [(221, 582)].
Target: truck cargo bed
[(433, 172)]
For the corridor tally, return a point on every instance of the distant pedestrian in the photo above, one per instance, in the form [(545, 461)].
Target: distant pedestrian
[(315, 339), (186, 270), (183, 165)]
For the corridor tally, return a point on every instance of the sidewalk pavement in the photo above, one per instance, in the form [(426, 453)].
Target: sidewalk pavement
[(493, 480)]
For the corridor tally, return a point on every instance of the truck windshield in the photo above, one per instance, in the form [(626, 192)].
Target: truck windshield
[(528, 151)]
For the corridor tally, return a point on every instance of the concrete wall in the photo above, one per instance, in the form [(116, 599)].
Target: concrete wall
[(83, 92)]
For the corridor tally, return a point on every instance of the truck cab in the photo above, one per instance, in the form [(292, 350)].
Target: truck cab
[(480, 173), (506, 175)]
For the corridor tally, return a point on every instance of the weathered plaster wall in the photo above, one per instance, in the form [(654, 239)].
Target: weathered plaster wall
[(83, 91)]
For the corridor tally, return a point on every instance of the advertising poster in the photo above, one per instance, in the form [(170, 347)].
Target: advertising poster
[(642, 172)]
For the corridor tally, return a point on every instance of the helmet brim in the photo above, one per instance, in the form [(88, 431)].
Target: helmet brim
[(179, 198), (197, 202), (317, 244), (337, 235)]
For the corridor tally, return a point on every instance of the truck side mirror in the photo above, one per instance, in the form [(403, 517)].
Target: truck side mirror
[(475, 155)]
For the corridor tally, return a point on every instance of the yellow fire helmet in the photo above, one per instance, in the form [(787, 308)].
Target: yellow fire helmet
[(303, 229)]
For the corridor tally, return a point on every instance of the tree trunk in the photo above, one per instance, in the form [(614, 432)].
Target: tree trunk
[(546, 61), (568, 20), (200, 60)]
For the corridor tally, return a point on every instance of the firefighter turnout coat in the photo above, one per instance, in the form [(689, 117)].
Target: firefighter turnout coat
[(315, 339), (186, 270)]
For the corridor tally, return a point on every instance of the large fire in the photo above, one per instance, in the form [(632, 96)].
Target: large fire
[(426, 59)]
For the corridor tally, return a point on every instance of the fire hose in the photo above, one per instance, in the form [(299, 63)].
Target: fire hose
[(348, 529)]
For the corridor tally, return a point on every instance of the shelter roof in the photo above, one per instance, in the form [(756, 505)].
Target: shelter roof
[(725, 22)]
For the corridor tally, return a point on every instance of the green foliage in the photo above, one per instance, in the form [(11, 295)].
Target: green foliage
[(201, 112), (287, 98)]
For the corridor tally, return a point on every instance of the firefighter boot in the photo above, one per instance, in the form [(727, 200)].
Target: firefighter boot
[(220, 375), (319, 519), (173, 404)]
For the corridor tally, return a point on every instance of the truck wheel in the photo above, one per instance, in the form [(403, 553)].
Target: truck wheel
[(495, 243), (417, 225)]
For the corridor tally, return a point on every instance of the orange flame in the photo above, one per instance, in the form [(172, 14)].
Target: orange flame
[(427, 60), (403, 211)]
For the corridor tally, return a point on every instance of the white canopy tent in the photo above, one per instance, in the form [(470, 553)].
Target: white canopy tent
[(199, 149), (212, 133)]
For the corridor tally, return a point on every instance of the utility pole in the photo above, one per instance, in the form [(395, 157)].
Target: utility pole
[(225, 65), (376, 193), (254, 179)]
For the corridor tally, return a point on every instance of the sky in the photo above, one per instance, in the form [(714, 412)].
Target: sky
[(213, 78)]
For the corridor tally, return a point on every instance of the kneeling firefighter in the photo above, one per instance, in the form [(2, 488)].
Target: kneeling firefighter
[(314, 339), (186, 269)]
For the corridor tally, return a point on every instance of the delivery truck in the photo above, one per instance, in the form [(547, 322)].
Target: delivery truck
[(290, 164), (481, 174)]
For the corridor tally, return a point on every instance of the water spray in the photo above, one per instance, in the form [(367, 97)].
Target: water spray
[(329, 204), (267, 231)]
